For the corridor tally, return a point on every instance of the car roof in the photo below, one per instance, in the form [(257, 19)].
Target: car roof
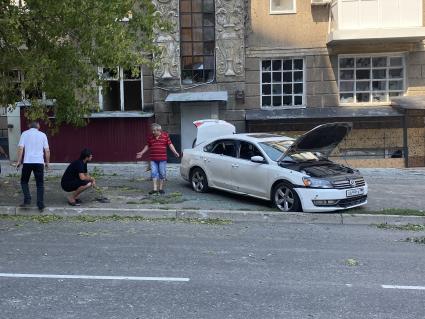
[(256, 137)]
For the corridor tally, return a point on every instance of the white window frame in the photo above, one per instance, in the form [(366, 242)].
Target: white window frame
[(303, 94), (271, 11), (121, 80), (401, 55)]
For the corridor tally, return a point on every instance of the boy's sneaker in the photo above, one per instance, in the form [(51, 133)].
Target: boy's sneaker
[(161, 191), (153, 192)]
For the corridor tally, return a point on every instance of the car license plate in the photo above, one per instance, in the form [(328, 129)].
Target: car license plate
[(355, 192)]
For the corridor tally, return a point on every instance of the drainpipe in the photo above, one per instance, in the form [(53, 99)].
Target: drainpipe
[(405, 140), (143, 88)]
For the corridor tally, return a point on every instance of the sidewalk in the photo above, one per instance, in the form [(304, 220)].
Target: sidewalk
[(127, 187)]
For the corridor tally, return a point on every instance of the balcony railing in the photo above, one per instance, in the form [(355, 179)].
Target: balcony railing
[(373, 19)]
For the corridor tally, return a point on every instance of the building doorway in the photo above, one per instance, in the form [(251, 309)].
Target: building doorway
[(191, 112)]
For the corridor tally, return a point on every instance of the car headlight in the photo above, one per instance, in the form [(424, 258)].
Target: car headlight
[(316, 182)]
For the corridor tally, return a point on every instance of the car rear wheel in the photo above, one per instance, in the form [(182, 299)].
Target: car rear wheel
[(285, 198), (199, 181)]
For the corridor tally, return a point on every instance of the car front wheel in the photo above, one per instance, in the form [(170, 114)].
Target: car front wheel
[(285, 198), (199, 182)]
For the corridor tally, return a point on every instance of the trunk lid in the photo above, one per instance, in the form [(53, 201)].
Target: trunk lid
[(210, 128)]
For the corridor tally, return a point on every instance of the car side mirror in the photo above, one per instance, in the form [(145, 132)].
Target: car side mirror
[(257, 159)]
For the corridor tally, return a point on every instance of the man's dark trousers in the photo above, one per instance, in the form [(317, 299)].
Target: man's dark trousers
[(38, 170)]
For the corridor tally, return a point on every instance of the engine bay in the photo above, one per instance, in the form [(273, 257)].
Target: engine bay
[(319, 168)]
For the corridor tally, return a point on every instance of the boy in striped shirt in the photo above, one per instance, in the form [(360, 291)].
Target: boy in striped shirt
[(157, 144)]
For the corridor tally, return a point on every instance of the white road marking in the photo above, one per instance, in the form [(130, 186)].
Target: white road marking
[(403, 287), (349, 285), (11, 275)]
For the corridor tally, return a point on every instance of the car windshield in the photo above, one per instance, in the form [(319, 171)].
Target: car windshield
[(275, 149)]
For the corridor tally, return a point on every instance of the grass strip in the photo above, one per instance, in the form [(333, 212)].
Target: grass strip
[(45, 219), (387, 211), (407, 227)]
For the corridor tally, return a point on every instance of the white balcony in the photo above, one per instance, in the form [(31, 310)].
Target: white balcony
[(382, 20)]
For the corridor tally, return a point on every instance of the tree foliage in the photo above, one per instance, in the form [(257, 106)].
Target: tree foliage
[(57, 46)]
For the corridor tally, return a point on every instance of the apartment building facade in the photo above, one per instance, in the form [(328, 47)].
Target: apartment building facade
[(274, 66), (287, 65)]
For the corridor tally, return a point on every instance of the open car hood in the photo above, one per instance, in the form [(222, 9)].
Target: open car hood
[(323, 139)]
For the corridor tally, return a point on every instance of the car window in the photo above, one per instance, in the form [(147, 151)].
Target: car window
[(275, 149), (222, 147), (248, 150), (218, 148)]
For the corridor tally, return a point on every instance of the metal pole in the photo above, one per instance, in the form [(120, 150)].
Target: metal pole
[(142, 87), (405, 140)]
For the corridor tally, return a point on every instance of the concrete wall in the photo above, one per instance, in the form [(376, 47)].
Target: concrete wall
[(14, 133), (168, 114), (305, 29), (147, 89), (416, 72)]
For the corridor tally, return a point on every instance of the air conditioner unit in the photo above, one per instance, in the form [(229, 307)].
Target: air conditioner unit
[(320, 2)]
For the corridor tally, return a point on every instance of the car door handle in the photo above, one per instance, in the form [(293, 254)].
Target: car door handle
[(235, 165)]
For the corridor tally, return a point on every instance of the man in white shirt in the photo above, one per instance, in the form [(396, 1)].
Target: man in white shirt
[(34, 145)]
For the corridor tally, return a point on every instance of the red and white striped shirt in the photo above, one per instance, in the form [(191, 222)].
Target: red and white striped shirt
[(158, 147)]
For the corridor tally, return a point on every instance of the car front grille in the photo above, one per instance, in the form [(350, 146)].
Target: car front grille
[(352, 201), (349, 183)]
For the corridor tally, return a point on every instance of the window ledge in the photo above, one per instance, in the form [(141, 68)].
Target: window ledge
[(119, 114), (282, 12), (364, 104), (321, 113), (283, 107)]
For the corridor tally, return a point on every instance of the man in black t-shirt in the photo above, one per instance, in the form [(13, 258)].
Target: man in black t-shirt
[(76, 179)]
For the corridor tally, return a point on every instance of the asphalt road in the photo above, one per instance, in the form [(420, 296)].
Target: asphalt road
[(241, 270)]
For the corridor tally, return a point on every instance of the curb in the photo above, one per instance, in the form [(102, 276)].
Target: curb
[(238, 216)]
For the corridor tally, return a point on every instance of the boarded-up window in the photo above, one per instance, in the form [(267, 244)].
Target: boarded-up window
[(282, 82), (370, 79)]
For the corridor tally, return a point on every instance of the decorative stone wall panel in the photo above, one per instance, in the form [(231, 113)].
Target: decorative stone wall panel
[(230, 38), (168, 63)]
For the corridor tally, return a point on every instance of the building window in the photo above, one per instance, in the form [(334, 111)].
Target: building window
[(123, 91), (282, 6), (197, 35), (16, 77), (282, 82), (371, 79), (25, 94)]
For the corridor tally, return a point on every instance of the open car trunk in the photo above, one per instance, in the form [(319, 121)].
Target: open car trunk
[(211, 128)]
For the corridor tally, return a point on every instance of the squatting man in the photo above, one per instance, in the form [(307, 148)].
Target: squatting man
[(76, 178)]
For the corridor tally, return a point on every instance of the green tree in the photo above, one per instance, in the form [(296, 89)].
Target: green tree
[(57, 46)]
